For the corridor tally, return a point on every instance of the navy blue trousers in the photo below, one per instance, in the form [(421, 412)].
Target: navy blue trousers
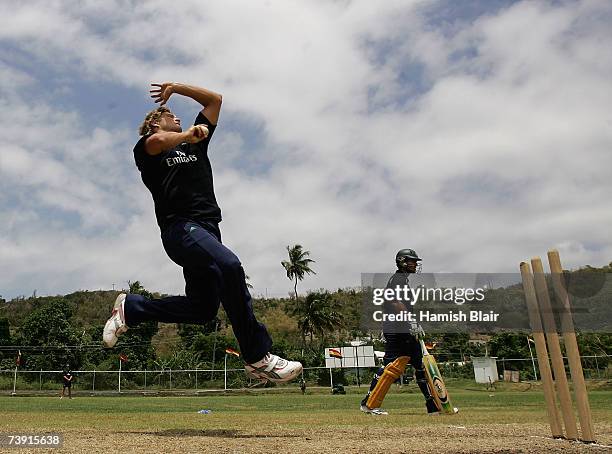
[(213, 276)]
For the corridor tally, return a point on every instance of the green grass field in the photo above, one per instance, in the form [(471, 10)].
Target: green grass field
[(510, 420)]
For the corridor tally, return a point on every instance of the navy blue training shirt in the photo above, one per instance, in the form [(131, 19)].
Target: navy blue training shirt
[(180, 180)]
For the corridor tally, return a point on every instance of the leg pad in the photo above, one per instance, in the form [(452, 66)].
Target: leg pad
[(392, 372)]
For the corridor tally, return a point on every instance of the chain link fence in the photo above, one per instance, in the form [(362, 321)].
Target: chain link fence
[(93, 381), (168, 380)]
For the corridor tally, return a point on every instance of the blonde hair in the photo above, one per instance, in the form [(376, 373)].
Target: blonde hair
[(151, 117)]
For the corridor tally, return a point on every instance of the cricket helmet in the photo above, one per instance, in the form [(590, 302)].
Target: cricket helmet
[(404, 256)]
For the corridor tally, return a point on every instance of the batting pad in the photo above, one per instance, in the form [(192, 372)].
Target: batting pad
[(392, 372)]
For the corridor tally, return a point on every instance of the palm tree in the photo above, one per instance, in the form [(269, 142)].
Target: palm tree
[(298, 265), (316, 315)]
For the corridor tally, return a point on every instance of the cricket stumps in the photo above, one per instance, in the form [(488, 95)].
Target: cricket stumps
[(546, 337)]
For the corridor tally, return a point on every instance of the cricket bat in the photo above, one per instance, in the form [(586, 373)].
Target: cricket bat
[(437, 388)]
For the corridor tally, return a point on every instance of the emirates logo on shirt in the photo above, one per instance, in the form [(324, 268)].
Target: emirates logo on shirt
[(180, 158)]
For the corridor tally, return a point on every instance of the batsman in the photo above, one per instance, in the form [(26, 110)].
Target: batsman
[(402, 347)]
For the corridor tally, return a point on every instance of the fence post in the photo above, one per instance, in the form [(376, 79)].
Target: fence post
[(15, 381), (196, 378), (145, 378), (40, 380), (93, 383), (170, 379)]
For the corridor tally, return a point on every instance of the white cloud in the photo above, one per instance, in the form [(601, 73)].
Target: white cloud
[(479, 142)]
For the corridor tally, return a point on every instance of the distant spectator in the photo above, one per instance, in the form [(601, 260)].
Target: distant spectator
[(67, 384), (303, 386)]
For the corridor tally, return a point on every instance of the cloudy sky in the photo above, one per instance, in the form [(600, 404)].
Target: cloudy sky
[(477, 132)]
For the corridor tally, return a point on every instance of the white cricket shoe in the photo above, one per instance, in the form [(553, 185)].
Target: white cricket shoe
[(274, 368), (373, 411), (115, 325)]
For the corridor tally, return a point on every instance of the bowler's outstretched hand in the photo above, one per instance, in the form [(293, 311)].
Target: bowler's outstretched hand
[(162, 92)]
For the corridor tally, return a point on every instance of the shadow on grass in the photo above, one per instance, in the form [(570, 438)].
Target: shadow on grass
[(219, 433)]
